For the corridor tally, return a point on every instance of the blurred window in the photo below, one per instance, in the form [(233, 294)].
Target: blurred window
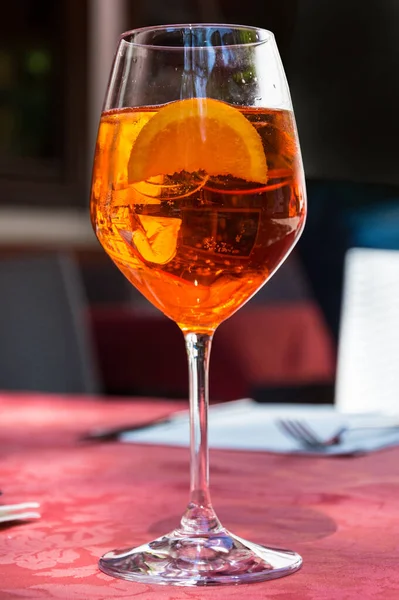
[(43, 102)]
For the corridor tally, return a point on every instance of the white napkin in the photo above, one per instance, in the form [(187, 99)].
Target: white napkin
[(248, 425), (25, 511)]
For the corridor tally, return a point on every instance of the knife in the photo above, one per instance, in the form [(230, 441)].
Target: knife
[(111, 434)]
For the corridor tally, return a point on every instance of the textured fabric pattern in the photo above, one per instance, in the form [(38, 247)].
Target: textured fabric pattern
[(341, 515)]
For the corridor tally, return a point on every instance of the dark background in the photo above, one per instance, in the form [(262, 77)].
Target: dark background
[(342, 64)]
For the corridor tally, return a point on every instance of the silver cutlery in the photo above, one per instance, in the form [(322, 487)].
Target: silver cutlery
[(307, 436), (109, 434)]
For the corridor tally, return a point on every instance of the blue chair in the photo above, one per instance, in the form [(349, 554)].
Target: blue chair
[(376, 227)]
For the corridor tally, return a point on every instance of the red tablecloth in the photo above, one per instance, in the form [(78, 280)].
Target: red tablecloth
[(342, 515)]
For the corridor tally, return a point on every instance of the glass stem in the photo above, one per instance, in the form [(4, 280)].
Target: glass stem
[(199, 517)]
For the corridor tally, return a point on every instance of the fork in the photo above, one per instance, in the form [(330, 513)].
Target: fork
[(302, 432)]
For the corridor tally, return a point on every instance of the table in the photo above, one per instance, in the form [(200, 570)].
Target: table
[(341, 514)]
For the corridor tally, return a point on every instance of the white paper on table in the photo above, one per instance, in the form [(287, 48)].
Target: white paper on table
[(368, 355), (248, 425)]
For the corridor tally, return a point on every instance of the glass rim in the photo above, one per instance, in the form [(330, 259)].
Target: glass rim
[(267, 35)]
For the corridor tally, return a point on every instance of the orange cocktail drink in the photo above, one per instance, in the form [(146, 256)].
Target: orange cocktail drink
[(197, 202)]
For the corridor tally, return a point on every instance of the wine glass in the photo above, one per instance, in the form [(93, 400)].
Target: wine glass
[(198, 196)]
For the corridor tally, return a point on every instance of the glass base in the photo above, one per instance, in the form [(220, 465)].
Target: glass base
[(197, 560)]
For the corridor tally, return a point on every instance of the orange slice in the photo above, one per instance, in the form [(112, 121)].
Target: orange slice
[(126, 133), (157, 240), (198, 134)]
